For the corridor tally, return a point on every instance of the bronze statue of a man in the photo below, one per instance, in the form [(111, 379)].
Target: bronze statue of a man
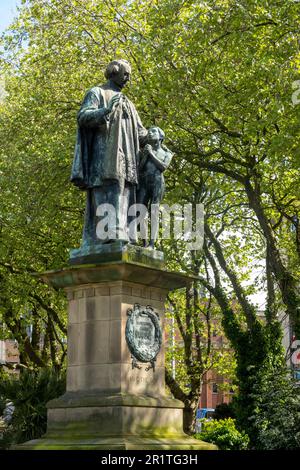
[(108, 141)]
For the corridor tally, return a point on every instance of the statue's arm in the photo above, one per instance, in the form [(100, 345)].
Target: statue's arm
[(142, 132), (168, 157), (161, 165), (91, 113)]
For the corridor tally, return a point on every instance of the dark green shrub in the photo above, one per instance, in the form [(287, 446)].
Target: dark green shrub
[(224, 411), (224, 434), (277, 413), (2, 405), (29, 393), (3, 376)]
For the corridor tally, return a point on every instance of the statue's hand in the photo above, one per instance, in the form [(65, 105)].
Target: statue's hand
[(114, 101), (147, 149)]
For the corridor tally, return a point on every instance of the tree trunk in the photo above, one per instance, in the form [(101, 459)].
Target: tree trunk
[(189, 416), (286, 282)]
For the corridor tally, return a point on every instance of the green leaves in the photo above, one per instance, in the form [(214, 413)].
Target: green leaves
[(277, 412), (29, 394), (218, 78), (224, 434)]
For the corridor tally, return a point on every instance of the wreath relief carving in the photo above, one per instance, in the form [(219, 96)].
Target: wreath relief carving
[(143, 335)]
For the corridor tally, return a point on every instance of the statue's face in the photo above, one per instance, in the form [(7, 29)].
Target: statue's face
[(153, 134), (122, 77)]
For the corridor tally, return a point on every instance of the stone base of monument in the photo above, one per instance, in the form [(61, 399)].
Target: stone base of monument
[(117, 422), (119, 250), (116, 397)]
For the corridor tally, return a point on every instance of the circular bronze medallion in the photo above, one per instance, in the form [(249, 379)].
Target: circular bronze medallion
[(143, 333)]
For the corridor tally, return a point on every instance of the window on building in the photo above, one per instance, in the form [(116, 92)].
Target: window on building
[(215, 388)]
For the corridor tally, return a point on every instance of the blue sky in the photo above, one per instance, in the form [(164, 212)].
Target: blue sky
[(8, 9)]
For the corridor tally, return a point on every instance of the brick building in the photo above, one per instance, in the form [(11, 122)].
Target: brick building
[(9, 352), (216, 388), (213, 393)]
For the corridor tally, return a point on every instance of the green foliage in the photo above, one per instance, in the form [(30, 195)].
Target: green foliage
[(192, 350), (224, 411), (218, 77), (224, 434), (196, 326), (258, 353), (2, 405), (30, 393), (3, 377), (277, 413)]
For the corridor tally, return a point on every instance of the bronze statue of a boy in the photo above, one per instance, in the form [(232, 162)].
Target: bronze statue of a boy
[(154, 159)]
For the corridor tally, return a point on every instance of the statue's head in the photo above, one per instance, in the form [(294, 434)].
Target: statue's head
[(155, 133), (119, 72)]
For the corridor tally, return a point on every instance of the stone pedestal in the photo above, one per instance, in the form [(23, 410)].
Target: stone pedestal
[(109, 404)]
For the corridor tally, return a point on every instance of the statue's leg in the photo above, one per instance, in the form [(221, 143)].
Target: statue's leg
[(95, 197), (157, 192), (130, 193), (118, 197), (100, 198), (88, 232), (154, 210), (142, 198), (118, 194)]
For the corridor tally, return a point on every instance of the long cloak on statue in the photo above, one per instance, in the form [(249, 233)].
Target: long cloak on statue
[(107, 145)]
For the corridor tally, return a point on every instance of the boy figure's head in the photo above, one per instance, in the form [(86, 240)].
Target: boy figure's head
[(155, 135)]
